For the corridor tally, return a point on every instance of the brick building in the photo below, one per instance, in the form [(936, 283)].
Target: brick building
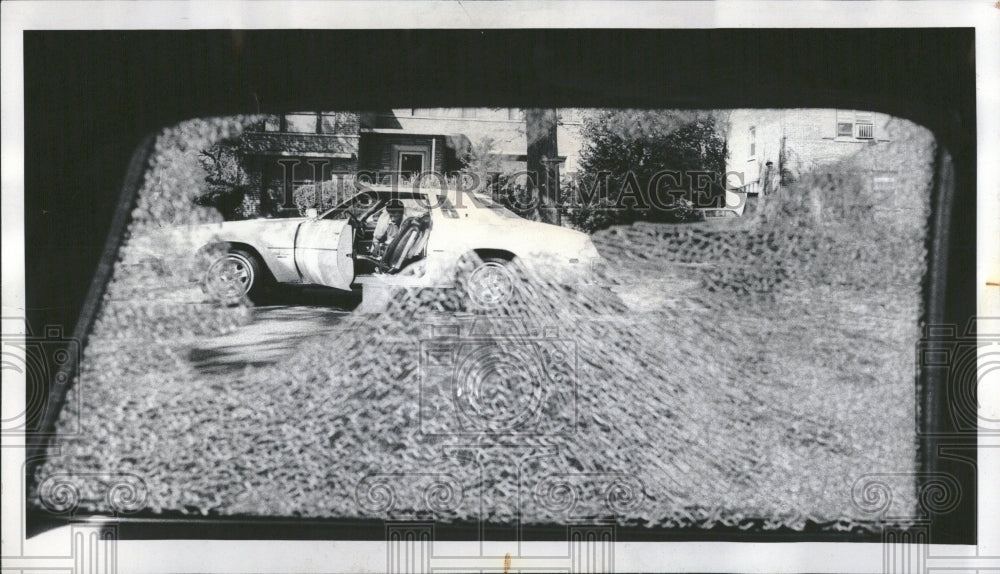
[(399, 142), (770, 148)]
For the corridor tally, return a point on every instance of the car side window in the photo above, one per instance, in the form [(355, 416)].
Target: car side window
[(358, 206), (363, 205)]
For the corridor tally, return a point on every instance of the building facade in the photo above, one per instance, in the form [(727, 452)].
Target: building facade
[(287, 151), (772, 148)]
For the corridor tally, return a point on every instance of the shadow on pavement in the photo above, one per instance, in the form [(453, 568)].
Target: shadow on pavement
[(278, 326), (312, 296)]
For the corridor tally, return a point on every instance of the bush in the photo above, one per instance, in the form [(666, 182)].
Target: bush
[(324, 195), (605, 208), (226, 177), (624, 151)]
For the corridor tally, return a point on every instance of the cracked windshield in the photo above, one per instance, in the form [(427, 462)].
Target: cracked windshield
[(657, 318)]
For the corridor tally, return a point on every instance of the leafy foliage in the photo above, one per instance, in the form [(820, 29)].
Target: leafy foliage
[(323, 195), (226, 177), (482, 158), (623, 153)]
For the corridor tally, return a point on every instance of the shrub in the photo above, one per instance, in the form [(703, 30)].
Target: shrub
[(324, 195), (226, 178), (623, 152)]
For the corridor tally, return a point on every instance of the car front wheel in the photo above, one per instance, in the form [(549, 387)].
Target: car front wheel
[(235, 276), (491, 284)]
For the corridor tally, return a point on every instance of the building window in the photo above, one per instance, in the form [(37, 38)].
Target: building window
[(272, 124), (331, 123), (302, 123), (470, 113), (515, 114), (753, 142), (855, 124), (864, 125)]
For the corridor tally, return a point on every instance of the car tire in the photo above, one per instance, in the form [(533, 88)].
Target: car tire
[(491, 283), (236, 277)]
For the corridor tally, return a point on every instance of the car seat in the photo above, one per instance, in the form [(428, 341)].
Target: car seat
[(408, 245)]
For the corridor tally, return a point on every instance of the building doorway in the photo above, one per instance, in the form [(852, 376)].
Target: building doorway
[(410, 161), (410, 164)]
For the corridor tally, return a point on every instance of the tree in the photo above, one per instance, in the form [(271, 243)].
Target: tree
[(629, 155), (226, 177)]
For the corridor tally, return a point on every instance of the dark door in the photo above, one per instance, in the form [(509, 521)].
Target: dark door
[(410, 164)]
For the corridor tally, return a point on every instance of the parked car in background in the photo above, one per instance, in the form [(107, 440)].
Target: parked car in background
[(446, 238), (735, 205)]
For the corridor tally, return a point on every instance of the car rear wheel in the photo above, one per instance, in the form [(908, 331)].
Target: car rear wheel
[(236, 276)]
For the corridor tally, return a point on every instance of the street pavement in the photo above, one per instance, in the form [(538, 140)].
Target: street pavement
[(273, 333)]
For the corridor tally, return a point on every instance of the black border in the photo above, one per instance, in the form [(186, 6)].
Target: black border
[(92, 98)]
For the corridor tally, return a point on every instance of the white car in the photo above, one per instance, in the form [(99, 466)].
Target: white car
[(445, 238)]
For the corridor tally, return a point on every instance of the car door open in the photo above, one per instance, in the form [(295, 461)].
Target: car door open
[(324, 252)]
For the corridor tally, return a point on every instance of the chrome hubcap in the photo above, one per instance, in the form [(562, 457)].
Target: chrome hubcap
[(230, 277), (491, 284)]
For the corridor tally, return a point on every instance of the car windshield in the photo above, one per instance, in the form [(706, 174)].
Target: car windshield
[(486, 202), (364, 204)]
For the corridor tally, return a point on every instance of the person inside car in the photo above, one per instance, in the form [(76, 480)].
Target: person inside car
[(387, 226)]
